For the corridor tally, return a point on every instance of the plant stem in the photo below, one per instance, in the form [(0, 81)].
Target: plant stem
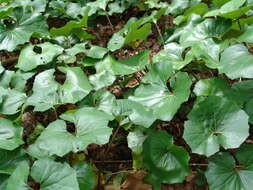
[(159, 32)]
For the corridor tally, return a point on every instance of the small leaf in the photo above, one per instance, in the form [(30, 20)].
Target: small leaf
[(135, 140), (89, 50), (135, 112), (173, 53)]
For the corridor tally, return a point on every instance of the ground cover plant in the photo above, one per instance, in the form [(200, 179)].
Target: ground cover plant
[(126, 94)]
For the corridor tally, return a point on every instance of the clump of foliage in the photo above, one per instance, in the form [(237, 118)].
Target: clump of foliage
[(199, 79)]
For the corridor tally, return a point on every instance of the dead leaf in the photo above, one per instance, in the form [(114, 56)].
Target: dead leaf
[(134, 181)]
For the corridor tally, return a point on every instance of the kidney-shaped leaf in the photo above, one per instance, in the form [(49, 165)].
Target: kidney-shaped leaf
[(27, 23), (47, 92), (52, 175), (34, 55), (91, 127), (223, 173), (166, 161), (156, 95), (215, 122)]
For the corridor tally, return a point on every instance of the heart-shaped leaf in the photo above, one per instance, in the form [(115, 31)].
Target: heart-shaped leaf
[(53, 175), (34, 55), (223, 173), (47, 92), (156, 95), (164, 160), (213, 122), (91, 127), (26, 24)]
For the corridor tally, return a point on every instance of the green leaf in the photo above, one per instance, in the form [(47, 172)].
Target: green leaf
[(91, 124), (47, 92), (209, 28), (91, 127), (70, 26), (18, 179), (104, 101), (236, 62), (249, 110), (26, 24), (232, 9), (200, 9), (3, 181), (135, 112), (109, 67), (89, 50), (52, 175), (76, 85), (132, 64), (213, 122), (173, 53), (217, 87), (247, 36), (133, 30), (223, 173), (167, 162), (29, 59), (102, 79), (12, 100), (156, 95), (11, 159), (135, 140), (86, 176), (10, 135)]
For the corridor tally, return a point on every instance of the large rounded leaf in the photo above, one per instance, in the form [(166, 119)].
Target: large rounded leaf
[(52, 175), (47, 92), (27, 23), (215, 122), (236, 62), (10, 135), (91, 127), (223, 173), (166, 161), (156, 95), (34, 55)]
